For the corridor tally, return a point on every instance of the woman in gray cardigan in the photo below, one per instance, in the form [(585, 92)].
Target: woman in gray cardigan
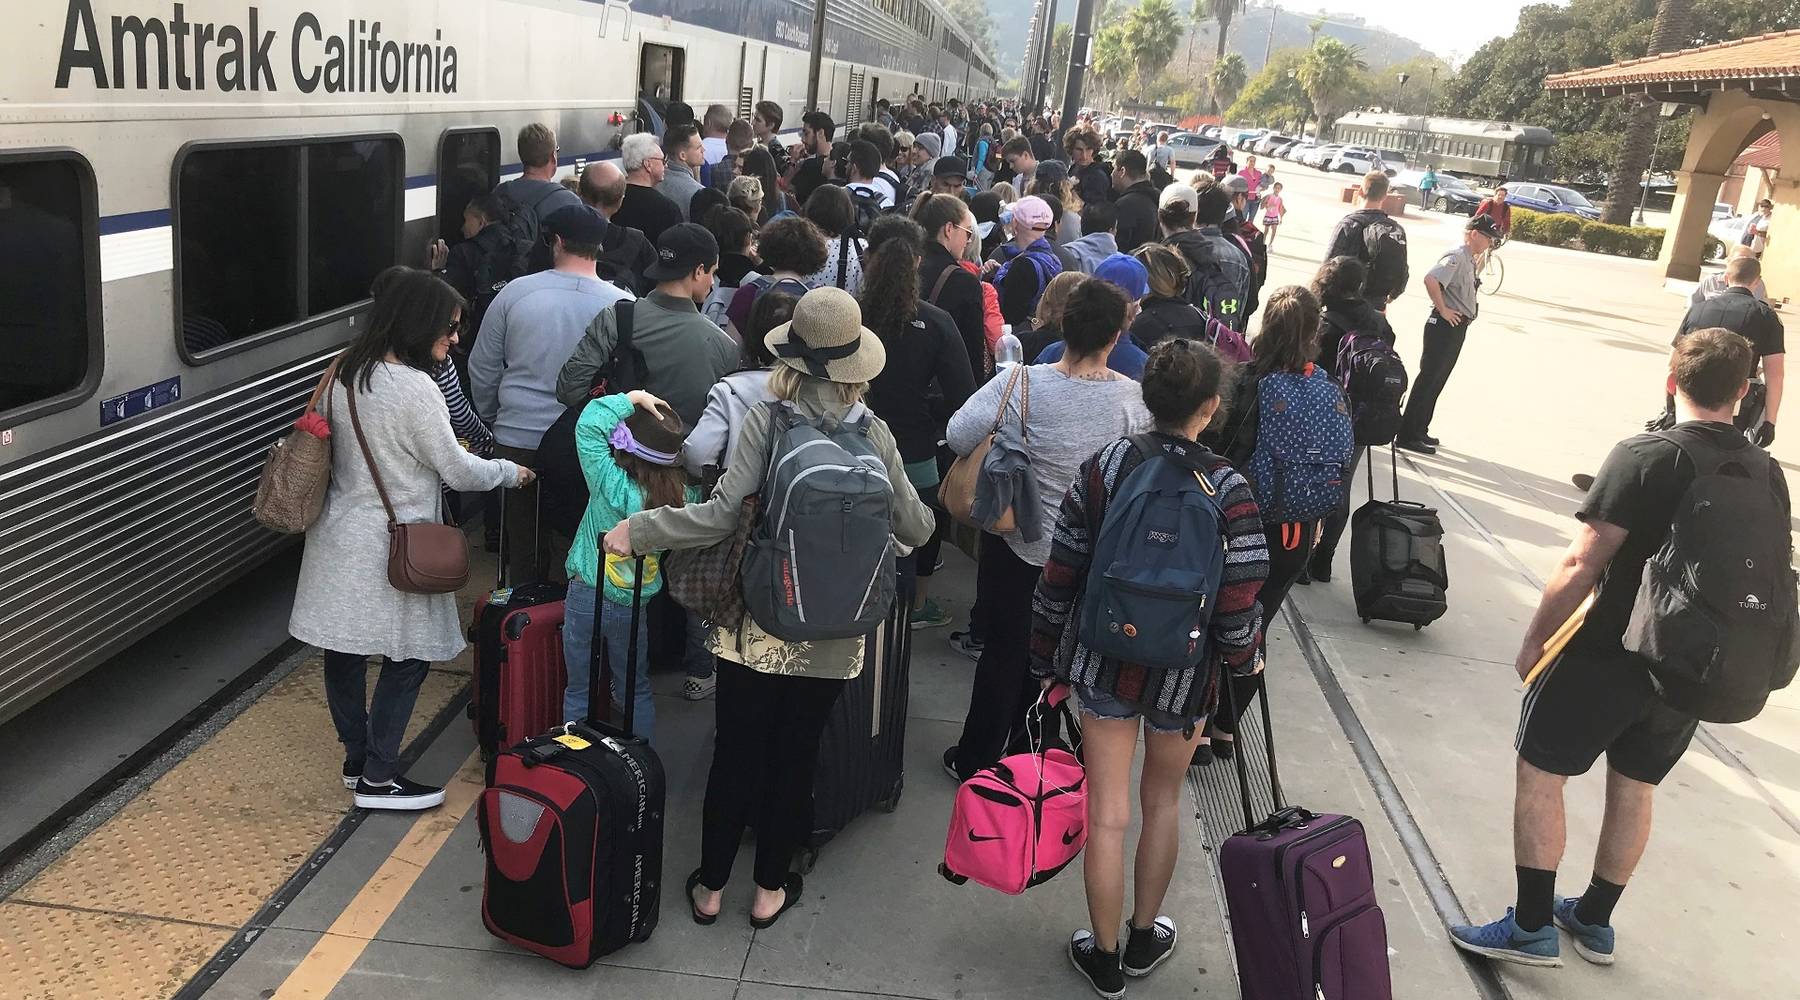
[(774, 696), (344, 603)]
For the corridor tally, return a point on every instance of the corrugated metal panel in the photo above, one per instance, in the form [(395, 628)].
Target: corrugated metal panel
[(103, 542)]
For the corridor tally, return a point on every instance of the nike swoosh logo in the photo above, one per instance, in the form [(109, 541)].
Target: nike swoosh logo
[(1069, 838), (975, 839)]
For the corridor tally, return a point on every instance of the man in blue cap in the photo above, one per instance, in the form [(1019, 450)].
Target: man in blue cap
[(1129, 275)]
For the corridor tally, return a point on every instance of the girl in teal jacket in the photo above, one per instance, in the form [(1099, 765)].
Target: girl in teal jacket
[(630, 449)]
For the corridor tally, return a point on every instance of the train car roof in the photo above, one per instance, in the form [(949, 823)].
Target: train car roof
[(1535, 135)]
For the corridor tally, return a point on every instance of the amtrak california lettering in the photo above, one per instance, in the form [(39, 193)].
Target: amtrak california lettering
[(201, 55)]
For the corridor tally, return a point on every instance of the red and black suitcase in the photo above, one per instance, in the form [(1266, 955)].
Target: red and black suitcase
[(572, 826), (1300, 890), (862, 754), (519, 676)]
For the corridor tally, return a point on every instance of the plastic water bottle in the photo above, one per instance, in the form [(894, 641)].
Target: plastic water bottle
[(1008, 350)]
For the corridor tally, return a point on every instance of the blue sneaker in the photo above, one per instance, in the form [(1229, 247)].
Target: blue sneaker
[(1504, 941), (1593, 942)]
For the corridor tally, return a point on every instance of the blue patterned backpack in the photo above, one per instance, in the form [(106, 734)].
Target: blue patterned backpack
[(1303, 444)]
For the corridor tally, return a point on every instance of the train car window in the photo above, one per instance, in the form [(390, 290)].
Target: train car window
[(49, 329), (468, 166), (353, 192), (239, 230), (271, 234)]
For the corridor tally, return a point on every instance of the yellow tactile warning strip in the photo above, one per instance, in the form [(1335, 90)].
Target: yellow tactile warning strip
[(140, 905), (344, 941)]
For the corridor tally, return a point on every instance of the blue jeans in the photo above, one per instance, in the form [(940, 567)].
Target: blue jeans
[(615, 630)]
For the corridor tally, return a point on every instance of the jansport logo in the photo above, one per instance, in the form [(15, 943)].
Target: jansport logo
[(1166, 539), (1752, 602)]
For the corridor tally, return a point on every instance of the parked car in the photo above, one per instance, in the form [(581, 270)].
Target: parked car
[(1352, 160), (1319, 156), (1392, 160), (1728, 230), (1214, 132), (1267, 144), (1722, 211), (1551, 198), (1192, 149), (1452, 194), (1298, 150), (1245, 140)]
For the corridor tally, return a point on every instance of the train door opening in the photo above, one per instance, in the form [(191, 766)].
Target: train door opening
[(874, 95), (660, 70)]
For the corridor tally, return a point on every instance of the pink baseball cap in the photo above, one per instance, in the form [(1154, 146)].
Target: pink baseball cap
[(1031, 212)]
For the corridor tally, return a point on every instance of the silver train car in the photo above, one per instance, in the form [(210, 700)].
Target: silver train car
[(194, 197)]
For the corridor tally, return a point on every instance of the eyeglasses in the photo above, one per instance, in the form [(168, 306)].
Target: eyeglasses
[(965, 229), (454, 327), (654, 159)]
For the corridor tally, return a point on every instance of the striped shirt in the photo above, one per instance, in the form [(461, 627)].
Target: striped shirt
[(1236, 627), (463, 421)]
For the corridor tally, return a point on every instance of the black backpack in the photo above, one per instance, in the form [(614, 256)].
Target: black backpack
[(1384, 250), (1374, 381), (865, 208), (562, 488), (1715, 614)]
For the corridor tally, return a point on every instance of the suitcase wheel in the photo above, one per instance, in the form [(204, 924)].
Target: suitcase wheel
[(1418, 628), (1365, 621), (806, 859), (950, 876), (892, 802)]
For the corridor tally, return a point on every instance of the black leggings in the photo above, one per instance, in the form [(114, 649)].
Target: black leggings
[(1289, 547), (764, 757), (1004, 687)]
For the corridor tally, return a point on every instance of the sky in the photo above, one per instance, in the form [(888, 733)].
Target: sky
[(1441, 28)]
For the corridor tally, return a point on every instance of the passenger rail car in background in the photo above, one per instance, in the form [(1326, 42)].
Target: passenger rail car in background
[(1479, 150), (193, 200)]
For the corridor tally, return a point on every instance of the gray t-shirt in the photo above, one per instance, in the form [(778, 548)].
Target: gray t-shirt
[(1455, 271), (679, 185), (527, 334), (1071, 418)]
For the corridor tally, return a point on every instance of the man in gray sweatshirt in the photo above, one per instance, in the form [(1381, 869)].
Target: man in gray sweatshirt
[(529, 330), (1099, 228)]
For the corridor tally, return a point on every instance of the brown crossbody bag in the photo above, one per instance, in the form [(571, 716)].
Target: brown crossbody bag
[(424, 557)]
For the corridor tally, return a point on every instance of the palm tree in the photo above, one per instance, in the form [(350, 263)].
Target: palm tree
[(1313, 30), (1228, 78), (1328, 72), (1111, 58), (1668, 33), (1221, 11), (1152, 33), (1060, 40)]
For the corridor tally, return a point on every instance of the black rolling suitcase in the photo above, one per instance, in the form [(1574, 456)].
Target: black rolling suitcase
[(572, 826), (862, 755), (1397, 567)]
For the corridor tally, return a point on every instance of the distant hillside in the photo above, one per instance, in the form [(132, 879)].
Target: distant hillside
[(1249, 33)]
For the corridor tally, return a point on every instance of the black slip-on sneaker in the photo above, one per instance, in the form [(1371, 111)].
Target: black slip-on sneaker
[(398, 794)]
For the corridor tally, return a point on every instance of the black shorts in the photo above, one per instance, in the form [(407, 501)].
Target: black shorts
[(1585, 703)]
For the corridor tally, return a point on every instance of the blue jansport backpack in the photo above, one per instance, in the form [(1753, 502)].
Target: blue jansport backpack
[(820, 563), (1157, 562), (1303, 443)]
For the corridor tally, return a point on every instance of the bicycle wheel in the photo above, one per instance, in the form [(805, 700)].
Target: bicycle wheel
[(1493, 274)]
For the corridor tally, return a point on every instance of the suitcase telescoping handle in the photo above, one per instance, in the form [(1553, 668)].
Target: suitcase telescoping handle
[(1393, 464), (537, 546), (597, 651), (1243, 769)]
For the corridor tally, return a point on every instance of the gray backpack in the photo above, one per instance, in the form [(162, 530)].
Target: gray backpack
[(820, 565)]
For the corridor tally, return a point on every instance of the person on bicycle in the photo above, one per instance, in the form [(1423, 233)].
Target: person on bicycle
[(1451, 285), (1496, 208)]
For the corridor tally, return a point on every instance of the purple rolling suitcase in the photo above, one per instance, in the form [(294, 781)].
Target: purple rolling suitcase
[(1301, 892)]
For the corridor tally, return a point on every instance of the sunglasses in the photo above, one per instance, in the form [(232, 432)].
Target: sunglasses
[(454, 327)]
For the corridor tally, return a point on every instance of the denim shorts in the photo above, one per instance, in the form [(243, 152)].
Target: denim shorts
[(1105, 706)]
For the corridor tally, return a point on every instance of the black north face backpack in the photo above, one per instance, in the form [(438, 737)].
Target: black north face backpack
[(1716, 612)]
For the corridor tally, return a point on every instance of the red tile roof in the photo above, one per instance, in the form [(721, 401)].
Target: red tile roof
[(1759, 57), (1764, 153)]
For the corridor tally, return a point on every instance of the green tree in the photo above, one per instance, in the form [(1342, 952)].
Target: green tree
[(1275, 95), (1668, 32), (1328, 72), (1111, 59), (1060, 40), (1152, 33), (1313, 29), (1228, 78), (1221, 11)]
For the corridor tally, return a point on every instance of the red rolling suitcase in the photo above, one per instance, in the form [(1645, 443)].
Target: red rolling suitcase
[(572, 826), (1300, 889), (517, 689)]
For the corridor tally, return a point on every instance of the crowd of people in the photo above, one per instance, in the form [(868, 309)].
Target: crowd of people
[(936, 275)]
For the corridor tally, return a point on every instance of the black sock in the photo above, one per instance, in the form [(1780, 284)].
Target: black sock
[(1537, 891), (1597, 902)]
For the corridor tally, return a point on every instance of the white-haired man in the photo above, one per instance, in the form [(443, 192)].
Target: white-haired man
[(645, 209)]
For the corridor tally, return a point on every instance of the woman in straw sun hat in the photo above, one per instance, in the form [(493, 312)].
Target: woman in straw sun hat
[(774, 695)]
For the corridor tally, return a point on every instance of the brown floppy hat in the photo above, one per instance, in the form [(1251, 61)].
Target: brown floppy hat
[(826, 339)]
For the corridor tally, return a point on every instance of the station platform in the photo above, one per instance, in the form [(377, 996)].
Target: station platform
[(242, 872)]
